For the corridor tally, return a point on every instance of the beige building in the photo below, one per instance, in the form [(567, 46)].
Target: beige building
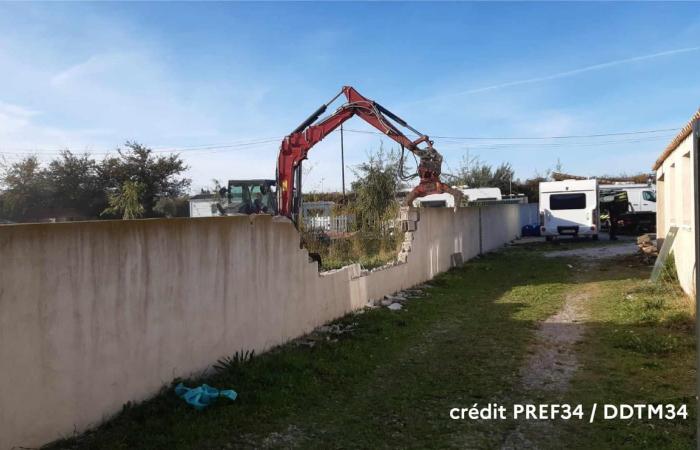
[(675, 202)]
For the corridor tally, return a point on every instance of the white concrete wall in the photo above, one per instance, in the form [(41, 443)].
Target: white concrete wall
[(529, 214), (676, 207), (95, 314)]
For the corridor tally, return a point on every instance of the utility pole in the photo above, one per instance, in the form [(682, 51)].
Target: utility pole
[(342, 158), (510, 185)]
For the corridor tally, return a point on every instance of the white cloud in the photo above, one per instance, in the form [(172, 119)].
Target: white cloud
[(14, 118), (20, 134), (569, 73), (95, 66)]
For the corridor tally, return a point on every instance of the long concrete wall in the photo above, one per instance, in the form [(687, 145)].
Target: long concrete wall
[(95, 314)]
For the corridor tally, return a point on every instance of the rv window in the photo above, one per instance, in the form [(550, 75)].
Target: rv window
[(434, 204), (567, 201), (649, 196)]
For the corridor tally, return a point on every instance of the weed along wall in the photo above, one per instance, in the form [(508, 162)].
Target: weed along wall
[(95, 314)]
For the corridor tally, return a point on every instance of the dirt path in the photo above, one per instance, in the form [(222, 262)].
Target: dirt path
[(553, 359), (552, 364), (589, 254)]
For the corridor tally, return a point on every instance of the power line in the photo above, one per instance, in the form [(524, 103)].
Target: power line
[(197, 148), (537, 145), (494, 138), (244, 144)]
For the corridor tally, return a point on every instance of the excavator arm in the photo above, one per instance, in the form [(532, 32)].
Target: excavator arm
[(295, 148)]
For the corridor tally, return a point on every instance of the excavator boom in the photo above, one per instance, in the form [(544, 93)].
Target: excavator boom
[(295, 148)]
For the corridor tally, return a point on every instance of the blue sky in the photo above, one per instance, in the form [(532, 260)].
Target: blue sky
[(225, 81)]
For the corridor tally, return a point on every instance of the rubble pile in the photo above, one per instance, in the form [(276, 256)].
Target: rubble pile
[(396, 301), (647, 247), (332, 332), (329, 333)]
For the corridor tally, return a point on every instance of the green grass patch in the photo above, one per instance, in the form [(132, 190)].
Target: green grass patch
[(640, 348), (369, 249)]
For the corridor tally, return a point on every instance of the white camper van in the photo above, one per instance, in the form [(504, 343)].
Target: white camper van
[(569, 207), (470, 194)]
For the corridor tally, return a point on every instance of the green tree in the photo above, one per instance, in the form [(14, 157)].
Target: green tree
[(26, 188), (375, 189), (158, 176), (475, 173), (127, 201), (76, 184), (166, 207), (85, 186), (530, 187)]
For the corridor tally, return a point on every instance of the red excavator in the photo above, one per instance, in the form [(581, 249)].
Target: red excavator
[(295, 148)]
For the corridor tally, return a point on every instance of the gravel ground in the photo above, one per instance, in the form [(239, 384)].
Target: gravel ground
[(598, 251)]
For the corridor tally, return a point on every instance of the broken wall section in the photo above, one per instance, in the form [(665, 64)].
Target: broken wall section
[(441, 240), (96, 314)]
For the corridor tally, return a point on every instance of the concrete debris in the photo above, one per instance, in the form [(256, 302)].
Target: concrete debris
[(395, 306), (335, 329), (325, 333), (647, 248), (386, 301), (388, 265), (569, 266), (394, 298), (646, 239)]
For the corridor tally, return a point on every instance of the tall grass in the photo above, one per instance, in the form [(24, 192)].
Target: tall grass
[(369, 249)]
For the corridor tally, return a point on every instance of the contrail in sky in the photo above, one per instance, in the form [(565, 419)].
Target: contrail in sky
[(569, 73)]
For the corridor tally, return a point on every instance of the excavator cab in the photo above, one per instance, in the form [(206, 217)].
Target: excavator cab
[(248, 197)]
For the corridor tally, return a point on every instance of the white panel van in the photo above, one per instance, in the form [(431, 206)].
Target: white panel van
[(642, 197), (569, 208)]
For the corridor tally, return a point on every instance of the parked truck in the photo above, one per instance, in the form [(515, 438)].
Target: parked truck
[(569, 208), (639, 214), (641, 197)]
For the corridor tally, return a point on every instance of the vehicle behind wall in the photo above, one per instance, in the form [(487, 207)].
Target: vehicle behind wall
[(628, 218), (642, 197), (569, 208), (248, 197), (483, 194)]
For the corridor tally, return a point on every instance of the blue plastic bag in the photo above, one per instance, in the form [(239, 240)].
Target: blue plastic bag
[(202, 396), (530, 230)]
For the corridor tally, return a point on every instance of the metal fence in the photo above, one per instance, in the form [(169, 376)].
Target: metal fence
[(340, 224)]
